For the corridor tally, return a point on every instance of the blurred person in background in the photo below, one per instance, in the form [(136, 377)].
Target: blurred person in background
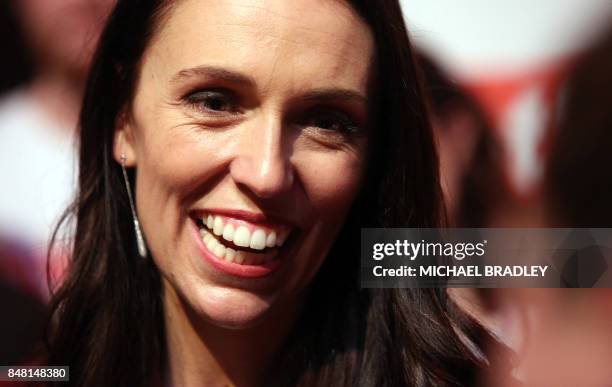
[(37, 124), (470, 156), (477, 187), (45, 65), (473, 184), (569, 336)]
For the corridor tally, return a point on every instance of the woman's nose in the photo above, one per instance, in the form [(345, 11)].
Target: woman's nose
[(262, 160)]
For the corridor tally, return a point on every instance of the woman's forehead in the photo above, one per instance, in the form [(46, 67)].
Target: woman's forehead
[(297, 43)]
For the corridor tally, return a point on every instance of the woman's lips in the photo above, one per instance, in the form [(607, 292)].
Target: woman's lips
[(239, 247)]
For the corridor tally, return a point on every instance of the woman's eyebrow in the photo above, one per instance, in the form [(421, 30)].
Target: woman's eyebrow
[(332, 94), (223, 74), (212, 72)]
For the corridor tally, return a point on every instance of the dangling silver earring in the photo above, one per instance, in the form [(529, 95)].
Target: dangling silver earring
[(142, 248)]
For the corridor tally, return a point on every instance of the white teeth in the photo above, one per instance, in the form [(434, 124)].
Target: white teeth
[(230, 254), (218, 226), (219, 250), (239, 257), (211, 243), (258, 240), (242, 237), (271, 239), (206, 236), (228, 232)]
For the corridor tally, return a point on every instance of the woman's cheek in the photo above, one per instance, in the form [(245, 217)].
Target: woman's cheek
[(332, 182), (182, 162)]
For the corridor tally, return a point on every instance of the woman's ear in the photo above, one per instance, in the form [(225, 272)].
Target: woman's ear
[(123, 142)]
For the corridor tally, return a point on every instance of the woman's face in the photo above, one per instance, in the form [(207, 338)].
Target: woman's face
[(248, 134)]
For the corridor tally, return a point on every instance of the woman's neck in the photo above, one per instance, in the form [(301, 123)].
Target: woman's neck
[(203, 354)]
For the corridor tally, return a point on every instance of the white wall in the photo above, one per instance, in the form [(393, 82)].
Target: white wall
[(471, 36)]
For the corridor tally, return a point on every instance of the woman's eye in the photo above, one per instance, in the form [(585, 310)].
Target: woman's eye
[(333, 121), (213, 101)]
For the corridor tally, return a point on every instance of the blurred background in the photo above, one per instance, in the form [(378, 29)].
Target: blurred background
[(47, 47), (521, 103), (520, 110), (512, 57)]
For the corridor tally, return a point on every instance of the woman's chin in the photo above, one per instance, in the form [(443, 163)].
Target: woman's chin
[(232, 308)]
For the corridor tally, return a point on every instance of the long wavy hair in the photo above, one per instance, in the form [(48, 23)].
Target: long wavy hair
[(107, 315)]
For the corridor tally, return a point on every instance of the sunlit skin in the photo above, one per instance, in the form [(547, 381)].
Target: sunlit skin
[(256, 106)]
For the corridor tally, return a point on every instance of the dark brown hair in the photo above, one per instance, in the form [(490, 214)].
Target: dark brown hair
[(107, 319), (578, 182)]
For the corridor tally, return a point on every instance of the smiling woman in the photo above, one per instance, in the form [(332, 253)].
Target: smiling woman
[(258, 137)]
